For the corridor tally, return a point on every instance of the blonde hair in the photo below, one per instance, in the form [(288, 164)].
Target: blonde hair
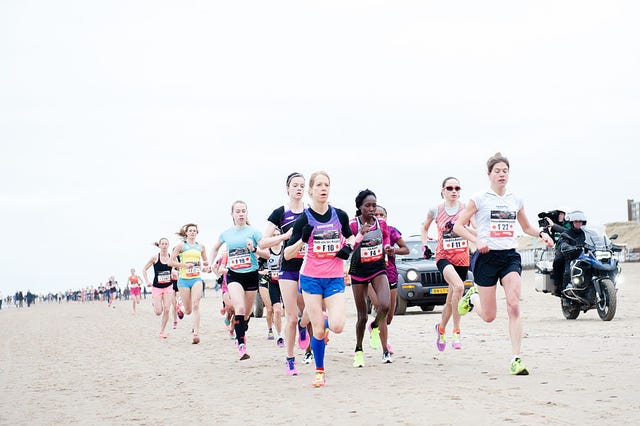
[(314, 175), (495, 159), (245, 205)]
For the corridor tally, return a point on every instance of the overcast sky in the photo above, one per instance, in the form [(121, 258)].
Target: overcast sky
[(120, 121)]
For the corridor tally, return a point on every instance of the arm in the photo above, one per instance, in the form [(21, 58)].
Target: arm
[(424, 231), (215, 249), (295, 243), (173, 260), (402, 247), (465, 233), (534, 231), (205, 261), (270, 240)]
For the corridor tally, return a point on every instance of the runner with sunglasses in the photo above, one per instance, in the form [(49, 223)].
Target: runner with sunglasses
[(452, 257)]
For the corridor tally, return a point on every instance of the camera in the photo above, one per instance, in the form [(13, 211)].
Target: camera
[(552, 214)]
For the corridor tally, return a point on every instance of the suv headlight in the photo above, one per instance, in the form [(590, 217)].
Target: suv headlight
[(412, 275)]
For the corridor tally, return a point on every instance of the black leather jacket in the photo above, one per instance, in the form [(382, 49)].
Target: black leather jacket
[(571, 243)]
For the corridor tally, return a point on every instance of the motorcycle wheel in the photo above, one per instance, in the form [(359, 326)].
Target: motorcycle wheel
[(608, 302), (570, 311)]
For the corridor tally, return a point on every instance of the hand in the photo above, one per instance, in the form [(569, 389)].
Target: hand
[(547, 239), (306, 232), (365, 228), (389, 250), (427, 252), (287, 234), (549, 221), (250, 245), (344, 252), (482, 247)]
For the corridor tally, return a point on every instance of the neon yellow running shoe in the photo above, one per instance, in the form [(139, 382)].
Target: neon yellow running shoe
[(374, 337), (518, 368), (464, 305), (358, 359), (318, 381)]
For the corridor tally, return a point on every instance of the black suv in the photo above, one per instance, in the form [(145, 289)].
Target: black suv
[(419, 281)]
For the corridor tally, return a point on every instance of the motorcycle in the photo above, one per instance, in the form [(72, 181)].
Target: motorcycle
[(592, 278)]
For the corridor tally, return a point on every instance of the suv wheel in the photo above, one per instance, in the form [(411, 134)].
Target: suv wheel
[(427, 308)]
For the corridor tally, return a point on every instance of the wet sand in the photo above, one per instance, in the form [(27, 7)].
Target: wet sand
[(88, 364)]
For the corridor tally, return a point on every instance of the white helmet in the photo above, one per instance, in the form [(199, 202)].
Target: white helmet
[(577, 215)]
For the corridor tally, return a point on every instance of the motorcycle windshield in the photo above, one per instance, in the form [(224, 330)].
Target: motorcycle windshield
[(595, 241)]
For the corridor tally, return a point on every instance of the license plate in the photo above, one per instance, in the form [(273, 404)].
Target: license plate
[(444, 290)]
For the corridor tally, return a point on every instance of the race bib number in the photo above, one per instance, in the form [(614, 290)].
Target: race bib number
[(502, 224), (193, 271), (454, 243), (326, 243), (164, 277), (371, 254), (239, 259)]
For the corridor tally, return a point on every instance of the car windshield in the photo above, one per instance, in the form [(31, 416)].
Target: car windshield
[(415, 250)]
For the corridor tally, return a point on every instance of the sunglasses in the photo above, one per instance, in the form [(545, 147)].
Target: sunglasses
[(451, 188)]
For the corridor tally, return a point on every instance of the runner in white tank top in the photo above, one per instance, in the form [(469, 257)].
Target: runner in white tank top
[(496, 212)]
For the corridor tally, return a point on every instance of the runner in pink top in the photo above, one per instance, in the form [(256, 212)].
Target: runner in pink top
[(329, 240)]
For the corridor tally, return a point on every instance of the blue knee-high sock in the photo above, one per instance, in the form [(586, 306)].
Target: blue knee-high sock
[(318, 352), (326, 323)]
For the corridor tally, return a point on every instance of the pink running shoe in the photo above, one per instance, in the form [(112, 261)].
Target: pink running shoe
[(455, 342), (291, 367), (163, 335), (303, 337), (441, 343), (242, 350)]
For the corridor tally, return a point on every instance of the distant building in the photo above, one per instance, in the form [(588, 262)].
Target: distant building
[(633, 211)]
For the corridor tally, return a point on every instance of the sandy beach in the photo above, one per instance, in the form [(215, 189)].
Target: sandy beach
[(88, 364)]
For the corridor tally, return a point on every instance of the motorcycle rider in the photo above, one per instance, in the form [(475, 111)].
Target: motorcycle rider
[(555, 230), (571, 243)]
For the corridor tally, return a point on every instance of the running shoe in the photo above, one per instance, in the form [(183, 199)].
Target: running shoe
[(374, 337), (270, 335), (456, 343), (303, 337), (318, 381), (386, 358), (441, 343), (175, 325), (179, 310), (291, 367), (464, 305), (308, 357), (389, 348), (358, 359), (242, 350), (518, 368), (280, 342), (163, 335), (196, 339)]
